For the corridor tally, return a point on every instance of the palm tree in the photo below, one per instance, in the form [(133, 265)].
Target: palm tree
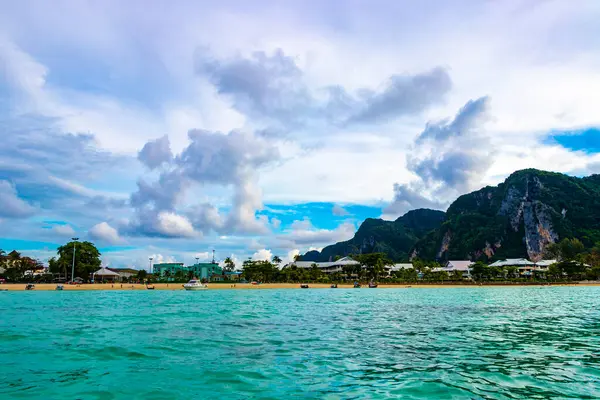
[(276, 260), (297, 257), (229, 264)]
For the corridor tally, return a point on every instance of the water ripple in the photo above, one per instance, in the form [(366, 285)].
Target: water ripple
[(480, 343)]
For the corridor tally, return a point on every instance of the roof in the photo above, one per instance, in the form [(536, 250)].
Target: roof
[(122, 270), (458, 265), (512, 262), (545, 263), (160, 265), (399, 266), (106, 272), (339, 263)]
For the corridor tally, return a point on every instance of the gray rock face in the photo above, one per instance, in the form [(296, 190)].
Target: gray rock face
[(524, 208)]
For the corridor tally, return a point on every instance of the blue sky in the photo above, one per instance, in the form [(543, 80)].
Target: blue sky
[(269, 127), (586, 140)]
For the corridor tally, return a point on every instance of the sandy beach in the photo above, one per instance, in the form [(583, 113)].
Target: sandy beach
[(247, 286)]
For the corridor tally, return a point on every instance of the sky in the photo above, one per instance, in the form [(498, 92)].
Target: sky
[(167, 129)]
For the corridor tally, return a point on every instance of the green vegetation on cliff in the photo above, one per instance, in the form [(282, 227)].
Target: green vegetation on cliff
[(518, 218), (394, 238)]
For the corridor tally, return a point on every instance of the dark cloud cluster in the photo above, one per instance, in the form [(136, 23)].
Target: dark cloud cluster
[(11, 205), (53, 170), (449, 158), (156, 152), (273, 88)]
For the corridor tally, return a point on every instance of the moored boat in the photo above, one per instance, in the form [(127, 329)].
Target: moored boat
[(372, 285), (195, 285), (30, 286), (304, 286), (60, 287), (356, 285), (334, 285)]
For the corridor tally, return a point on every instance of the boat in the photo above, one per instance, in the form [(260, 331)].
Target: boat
[(334, 286), (150, 287), (304, 286), (195, 285), (60, 287), (356, 285), (30, 286), (372, 285)]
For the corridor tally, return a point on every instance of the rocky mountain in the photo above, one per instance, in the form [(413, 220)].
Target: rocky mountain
[(396, 238), (517, 218)]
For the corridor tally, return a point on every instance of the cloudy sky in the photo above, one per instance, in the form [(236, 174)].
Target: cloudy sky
[(171, 128)]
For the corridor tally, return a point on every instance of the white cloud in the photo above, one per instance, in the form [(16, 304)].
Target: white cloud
[(104, 232), (304, 234), (171, 224), (541, 75), (339, 211), (262, 255), (11, 205), (63, 230)]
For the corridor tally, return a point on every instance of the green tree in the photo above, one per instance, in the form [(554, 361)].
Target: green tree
[(87, 258), (142, 275), (566, 250), (480, 271), (276, 260), (457, 276), (554, 272), (229, 264), (374, 263)]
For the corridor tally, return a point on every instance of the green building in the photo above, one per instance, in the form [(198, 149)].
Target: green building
[(205, 270), (199, 270)]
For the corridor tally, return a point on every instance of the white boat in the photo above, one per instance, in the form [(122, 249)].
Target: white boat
[(195, 285)]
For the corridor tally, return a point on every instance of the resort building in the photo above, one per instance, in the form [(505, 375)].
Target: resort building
[(462, 266), (524, 266), (327, 267), (167, 269), (199, 270)]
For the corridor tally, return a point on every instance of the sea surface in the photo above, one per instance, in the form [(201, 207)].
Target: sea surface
[(464, 343)]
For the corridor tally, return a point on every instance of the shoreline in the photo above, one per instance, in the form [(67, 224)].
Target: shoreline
[(265, 286)]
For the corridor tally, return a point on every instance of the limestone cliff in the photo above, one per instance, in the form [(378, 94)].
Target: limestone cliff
[(517, 218)]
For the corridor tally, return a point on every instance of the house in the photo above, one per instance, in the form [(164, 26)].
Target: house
[(233, 275)]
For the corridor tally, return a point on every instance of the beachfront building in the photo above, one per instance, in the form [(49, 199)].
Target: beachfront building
[(328, 267), (106, 275), (233, 275), (198, 270), (524, 266), (462, 266), (168, 269), (390, 269), (208, 271), (125, 273)]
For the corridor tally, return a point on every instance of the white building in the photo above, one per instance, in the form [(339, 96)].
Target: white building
[(463, 266), (327, 267)]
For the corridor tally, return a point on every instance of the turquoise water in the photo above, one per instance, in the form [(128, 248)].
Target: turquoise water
[(491, 343)]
